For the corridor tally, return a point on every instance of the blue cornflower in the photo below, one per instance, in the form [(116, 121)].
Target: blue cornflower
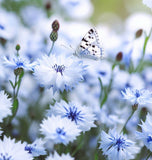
[(136, 96), (146, 134), (81, 115), (117, 146), (59, 130), (9, 150), (36, 148), (19, 62), (59, 72)]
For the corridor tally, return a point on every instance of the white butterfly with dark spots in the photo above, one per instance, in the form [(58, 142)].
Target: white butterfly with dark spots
[(90, 46)]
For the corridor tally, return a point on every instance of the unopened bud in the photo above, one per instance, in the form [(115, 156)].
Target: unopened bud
[(55, 25), (18, 71), (53, 36), (48, 6), (135, 107), (119, 56), (139, 33), (17, 47)]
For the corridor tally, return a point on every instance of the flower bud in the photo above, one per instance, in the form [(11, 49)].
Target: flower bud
[(139, 33), (53, 36), (17, 47), (18, 71), (119, 56), (55, 25), (48, 6), (135, 107)]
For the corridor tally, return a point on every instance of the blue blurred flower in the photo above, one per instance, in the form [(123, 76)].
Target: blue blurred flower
[(82, 116), (5, 105), (36, 148), (59, 72), (59, 130), (146, 134), (137, 96), (10, 150), (19, 62), (117, 146), (56, 156)]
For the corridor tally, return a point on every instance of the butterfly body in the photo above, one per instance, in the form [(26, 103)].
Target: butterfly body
[(90, 46)]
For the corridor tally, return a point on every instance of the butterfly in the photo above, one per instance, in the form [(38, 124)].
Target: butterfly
[(90, 46)]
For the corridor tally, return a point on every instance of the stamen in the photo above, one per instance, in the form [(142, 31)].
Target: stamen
[(59, 68)]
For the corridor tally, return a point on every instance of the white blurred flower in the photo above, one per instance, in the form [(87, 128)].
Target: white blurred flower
[(77, 8), (13, 151), (81, 115), (5, 105), (59, 72), (9, 25), (59, 130), (56, 156), (148, 3), (136, 96), (36, 148)]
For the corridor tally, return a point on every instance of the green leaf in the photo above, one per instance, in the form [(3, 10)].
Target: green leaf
[(11, 83), (15, 106)]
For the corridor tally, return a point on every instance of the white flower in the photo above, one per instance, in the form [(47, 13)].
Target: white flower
[(59, 130), (136, 96), (5, 106), (10, 150), (146, 134), (36, 148), (117, 146), (148, 3), (56, 156), (82, 116), (19, 62), (59, 72)]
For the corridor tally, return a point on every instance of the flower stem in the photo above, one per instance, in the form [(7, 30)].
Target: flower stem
[(51, 48), (139, 66), (134, 108), (149, 154)]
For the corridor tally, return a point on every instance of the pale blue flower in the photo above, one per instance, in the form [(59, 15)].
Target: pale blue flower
[(81, 115), (5, 105), (36, 148), (148, 3), (19, 62), (59, 72), (56, 156), (9, 150), (146, 134), (136, 96), (59, 130), (117, 146)]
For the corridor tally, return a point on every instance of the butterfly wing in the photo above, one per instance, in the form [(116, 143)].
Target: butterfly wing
[(90, 46)]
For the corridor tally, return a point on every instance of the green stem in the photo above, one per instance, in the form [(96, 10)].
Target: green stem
[(149, 154), (124, 127), (138, 68), (51, 48)]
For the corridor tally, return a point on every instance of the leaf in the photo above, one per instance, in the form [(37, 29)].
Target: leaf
[(15, 106), (11, 83)]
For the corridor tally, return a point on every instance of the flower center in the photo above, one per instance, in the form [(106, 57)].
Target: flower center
[(1, 27), (74, 114), (59, 68), (60, 131), (120, 143), (5, 157), (137, 94), (29, 149), (149, 139)]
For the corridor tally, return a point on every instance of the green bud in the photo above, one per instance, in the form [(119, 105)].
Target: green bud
[(55, 25), (18, 71), (53, 36), (17, 47)]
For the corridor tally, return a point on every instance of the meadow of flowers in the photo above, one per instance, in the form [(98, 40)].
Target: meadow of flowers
[(71, 89)]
